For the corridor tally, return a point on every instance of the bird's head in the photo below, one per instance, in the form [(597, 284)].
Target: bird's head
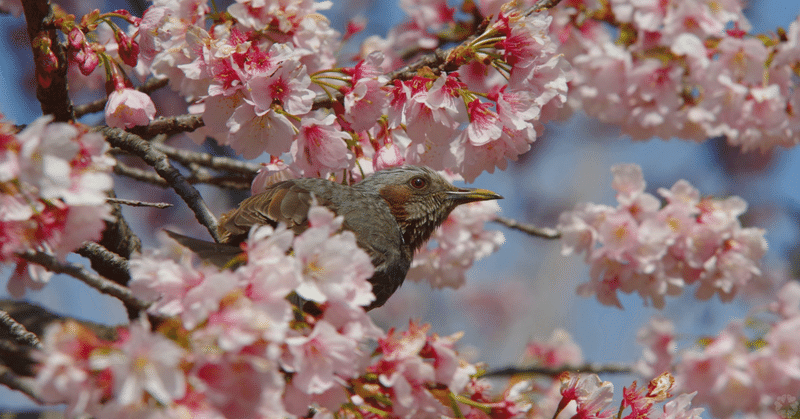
[(420, 199)]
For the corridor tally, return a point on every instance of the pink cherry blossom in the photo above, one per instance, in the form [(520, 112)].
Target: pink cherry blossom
[(658, 338), (366, 100), (558, 351), (721, 373), (333, 266), (679, 408), (54, 194), (591, 395), (143, 362), (460, 241), (320, 147), (176, 288), (654, 251), (251, 134), (322, 359), (127, 108)]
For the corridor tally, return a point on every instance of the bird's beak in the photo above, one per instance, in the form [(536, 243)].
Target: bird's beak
[(465, 195)]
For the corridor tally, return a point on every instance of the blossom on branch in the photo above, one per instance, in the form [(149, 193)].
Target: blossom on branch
[(54, 179), (682, 68), (655, 251)]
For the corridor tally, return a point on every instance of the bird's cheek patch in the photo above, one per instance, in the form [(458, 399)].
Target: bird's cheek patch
[(397, 196)]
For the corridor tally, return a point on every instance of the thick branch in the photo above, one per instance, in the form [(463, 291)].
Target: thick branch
[(543, 232), (54, 99), (15, 382), (116, 267), (159, 161), (18, 332), (553, 372), (101, 284), (169, 126)]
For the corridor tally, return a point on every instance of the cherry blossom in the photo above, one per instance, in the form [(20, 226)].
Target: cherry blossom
[(656, 251), (334, 267), (557, 352), (590, 394), (127, 108), (658, 338), (460, 241), (142, 362), (53, 196)]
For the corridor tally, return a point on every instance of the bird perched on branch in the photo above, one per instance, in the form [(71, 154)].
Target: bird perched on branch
[(392, 214)]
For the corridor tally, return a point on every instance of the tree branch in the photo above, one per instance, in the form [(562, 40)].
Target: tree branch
[(169, 126), (136, 145), (15, 382), (545, 5), (228, 182), (100, 104), (211, 161), (54, 99), (106, 286), (18, 332), (553, 372), (138, 174), (110, 260), (135, 203), (543, 232)]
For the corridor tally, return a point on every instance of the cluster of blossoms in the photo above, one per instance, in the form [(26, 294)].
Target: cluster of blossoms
[(681, 68), (734, 373), (260, 74), (232, 346), (641, 246), (591, 397), (53, 179), (92, 41)]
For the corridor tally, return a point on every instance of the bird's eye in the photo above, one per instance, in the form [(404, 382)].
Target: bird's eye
[(418, 183)]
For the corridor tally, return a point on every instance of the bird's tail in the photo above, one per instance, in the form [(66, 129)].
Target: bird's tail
[(221, 255)]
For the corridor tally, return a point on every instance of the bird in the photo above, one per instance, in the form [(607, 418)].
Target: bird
[(392, 213)]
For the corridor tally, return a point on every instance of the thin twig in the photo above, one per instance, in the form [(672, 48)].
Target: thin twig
[(139, 174), (228, 182), (543, 232), (101, 284), (208, 160), (553, 372), (99, 104), (18, 331), (545, 5), (136, 145), (135, 203)]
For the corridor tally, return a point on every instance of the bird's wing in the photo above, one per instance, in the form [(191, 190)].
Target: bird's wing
[(285, 202), (218, 254)]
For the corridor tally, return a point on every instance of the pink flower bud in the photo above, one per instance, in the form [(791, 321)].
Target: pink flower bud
[(128, 48), (128, 107), (76, 38), (89, 62)]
